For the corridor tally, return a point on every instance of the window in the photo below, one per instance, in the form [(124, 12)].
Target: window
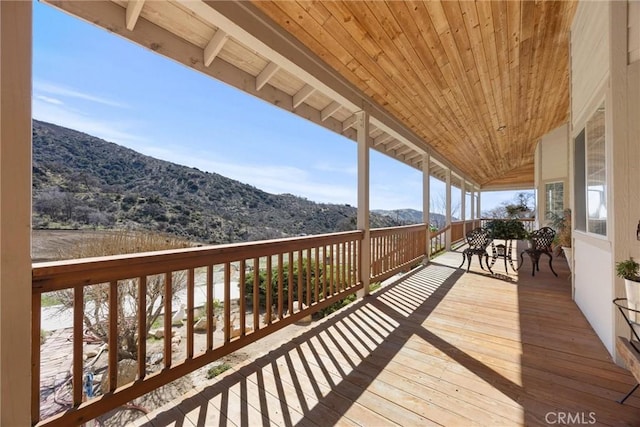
[(554, 200), (590, 176)]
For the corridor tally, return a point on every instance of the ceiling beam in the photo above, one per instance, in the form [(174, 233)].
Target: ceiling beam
[(265, 75), (349, 123), (394, 145), (403, 151), (302, 95), (382, 139), (214, 46), (134, 7), (329, 110)]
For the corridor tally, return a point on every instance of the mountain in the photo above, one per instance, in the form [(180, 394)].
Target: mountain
[(412, 216), (80, 181)]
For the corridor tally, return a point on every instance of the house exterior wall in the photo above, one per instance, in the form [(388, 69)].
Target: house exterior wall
[(603, 70), (589, 82), (593, 291), (552, 165), (589, 54)]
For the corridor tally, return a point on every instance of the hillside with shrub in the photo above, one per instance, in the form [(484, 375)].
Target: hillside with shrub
[(83, 182)]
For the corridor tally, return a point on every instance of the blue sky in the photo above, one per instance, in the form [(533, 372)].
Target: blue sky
[(87, 79)]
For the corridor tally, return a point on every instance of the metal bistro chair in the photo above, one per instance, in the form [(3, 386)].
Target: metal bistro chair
[(478, 240), (540, 244)]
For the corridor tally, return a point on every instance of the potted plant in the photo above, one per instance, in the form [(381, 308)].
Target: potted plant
[(561, 223), (507, 229), (629, 270)]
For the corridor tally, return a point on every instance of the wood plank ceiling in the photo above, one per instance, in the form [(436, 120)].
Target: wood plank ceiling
[(476, 84), (481, 82)]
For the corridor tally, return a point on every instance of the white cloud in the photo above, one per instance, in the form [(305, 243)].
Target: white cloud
[(270, 178), (50, 100), (110, 130), (54, 89)]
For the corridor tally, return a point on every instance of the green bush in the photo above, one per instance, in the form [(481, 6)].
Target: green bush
[(273, 283), (507, 229), (214, 371)]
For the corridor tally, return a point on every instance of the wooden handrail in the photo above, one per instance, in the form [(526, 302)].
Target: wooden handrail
[(395, 249), (327, 266), (57, 275)]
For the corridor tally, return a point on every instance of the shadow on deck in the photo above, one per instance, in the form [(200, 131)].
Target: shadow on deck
[(439, 346)]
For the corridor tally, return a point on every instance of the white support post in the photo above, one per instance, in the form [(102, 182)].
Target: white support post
[(463, 206), (362, 129), (15, 212), (426, 202), (473, 206), (478, 211), (448, 212)]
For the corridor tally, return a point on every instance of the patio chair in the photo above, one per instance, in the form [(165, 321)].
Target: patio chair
[(478, 240), (540, 244)]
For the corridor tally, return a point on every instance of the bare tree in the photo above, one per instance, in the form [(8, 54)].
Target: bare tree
[(519, 207), (438, 204), (96, 297)]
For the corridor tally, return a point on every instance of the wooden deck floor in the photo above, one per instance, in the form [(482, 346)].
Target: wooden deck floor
[(439, 347)]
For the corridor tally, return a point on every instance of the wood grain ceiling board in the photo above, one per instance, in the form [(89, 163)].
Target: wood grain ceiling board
[(518, 178), (480, 82)]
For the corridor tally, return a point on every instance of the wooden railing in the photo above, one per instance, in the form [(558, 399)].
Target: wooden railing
[(395, 249), (292, 279), (438, 241), (459, 229), (257, 288)]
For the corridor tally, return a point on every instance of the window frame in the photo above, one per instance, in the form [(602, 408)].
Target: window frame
[(548, 213), (583, 147)]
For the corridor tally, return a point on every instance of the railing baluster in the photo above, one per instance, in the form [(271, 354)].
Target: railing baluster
[(210, 307), (316, 287), (243, 302), (168, 284), (375, 256), (324, 272), (350, 262), (78, 311), (113, 335), (359, 243), (332, 282), (386, 253), (343, 265), (36, 324), (349, 255), (256, 294), (190, 309), (227, 300), (142, 327), (308, 276), (290, 285), (300, 279), (268, 291), (280, 288)]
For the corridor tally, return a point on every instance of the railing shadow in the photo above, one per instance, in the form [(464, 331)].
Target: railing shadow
[(339, 357), (336, 372)]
